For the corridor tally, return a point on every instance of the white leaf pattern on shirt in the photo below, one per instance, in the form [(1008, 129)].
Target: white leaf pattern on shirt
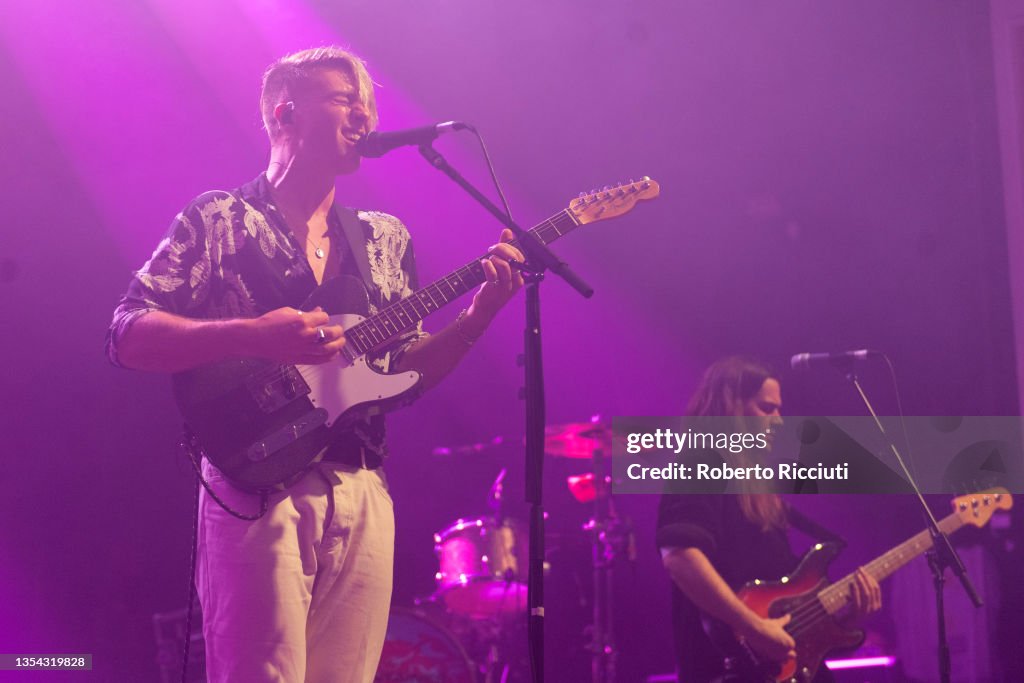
[(220, 235), (385, 250), (257, 226), (162, 272)]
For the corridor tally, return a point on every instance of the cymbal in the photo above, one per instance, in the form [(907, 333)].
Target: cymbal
[(578, 440)]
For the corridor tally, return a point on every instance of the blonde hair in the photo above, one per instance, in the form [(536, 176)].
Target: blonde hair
[(283, 76)]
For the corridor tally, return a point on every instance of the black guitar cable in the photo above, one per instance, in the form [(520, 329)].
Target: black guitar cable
[(189, 445), (191, 585)]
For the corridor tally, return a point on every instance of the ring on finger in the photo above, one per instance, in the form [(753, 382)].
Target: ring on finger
[(321, 336)]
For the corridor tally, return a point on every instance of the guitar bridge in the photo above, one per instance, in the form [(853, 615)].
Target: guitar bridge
[(261, 450)]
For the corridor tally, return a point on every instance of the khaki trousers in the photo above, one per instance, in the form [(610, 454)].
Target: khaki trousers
[(302, 594)]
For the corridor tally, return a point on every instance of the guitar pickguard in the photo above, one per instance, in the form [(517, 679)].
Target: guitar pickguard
[(347, 388)]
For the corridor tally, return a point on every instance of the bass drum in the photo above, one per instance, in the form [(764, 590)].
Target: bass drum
[(419, 650)]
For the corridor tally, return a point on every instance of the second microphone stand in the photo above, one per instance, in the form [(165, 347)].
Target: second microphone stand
[(539, 258), (942, 554)]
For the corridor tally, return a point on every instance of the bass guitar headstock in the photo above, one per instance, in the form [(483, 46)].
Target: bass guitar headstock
[(597, 205), (978, 508)]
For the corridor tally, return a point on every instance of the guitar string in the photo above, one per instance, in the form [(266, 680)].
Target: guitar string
[(810, 606), (377, 325), (810, 613), (280, 372), (814, 610), (802, 616), (800, 622), (550, 222)]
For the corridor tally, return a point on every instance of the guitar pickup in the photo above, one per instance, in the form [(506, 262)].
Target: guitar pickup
[(287, 434), (284, 385)]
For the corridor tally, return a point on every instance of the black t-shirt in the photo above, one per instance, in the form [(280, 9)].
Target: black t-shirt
[(738, 549)]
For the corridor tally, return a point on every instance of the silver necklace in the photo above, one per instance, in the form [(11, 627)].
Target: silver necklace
[(317, 249)]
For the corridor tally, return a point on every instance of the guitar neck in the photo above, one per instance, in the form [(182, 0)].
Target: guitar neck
[(837, 595), (403, 315)]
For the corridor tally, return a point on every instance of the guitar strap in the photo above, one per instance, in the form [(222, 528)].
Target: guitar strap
[(802, 522), (353, 229)]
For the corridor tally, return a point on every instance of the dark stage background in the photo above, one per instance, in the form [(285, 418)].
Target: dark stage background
[(830, 179)]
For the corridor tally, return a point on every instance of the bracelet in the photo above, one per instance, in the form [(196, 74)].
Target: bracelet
[(466, 339)]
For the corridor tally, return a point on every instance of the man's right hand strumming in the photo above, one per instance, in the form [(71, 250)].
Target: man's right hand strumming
[(287, 335), (164, 342)]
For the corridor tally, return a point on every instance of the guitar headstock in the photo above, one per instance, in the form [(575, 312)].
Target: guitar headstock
[(612, 201), (978, 508)]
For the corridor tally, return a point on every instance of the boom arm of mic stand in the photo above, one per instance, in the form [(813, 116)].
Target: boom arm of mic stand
[(946, 554), (537, 253)]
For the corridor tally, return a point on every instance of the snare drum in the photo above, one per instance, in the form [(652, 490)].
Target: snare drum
[(419, 649), (483, 567)]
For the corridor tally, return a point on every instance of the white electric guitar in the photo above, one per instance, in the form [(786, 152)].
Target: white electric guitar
[(262, 423)]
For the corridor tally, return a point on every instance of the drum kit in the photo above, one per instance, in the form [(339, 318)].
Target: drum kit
[(472, 628)]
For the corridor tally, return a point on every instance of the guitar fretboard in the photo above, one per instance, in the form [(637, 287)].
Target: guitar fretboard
[(399, 317), (837, 595)]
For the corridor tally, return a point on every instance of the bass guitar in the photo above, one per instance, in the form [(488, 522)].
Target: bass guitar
[(262, 423), (814, 603)]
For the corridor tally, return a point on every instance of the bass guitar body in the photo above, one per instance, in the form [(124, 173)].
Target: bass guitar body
[(817, 606), (813, 628)]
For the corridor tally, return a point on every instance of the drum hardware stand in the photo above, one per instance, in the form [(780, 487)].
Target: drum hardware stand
[(540, 259), (497, 670), (486, 633), (609, 534), (496, 498)]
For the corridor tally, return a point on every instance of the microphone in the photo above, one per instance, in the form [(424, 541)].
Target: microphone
[(802, 361), (378, 144)]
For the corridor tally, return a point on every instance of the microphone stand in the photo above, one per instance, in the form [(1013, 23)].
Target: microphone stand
[(539, 258), (942, 554)]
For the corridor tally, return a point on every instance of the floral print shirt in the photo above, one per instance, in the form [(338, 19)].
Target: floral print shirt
[(231, 255)]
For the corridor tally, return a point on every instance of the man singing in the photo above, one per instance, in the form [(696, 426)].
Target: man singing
[(302, 593)]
